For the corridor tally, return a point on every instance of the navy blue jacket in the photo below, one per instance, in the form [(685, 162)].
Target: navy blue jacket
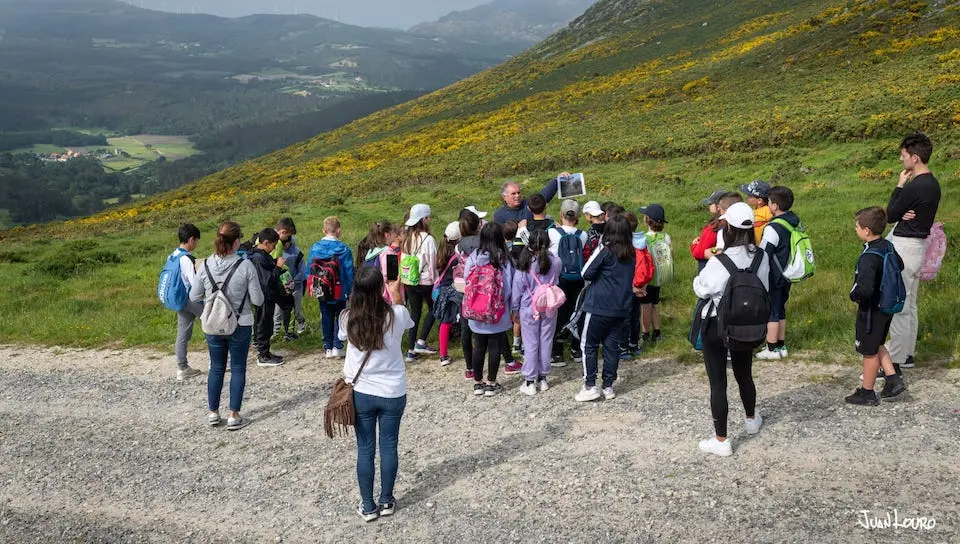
[(504, 214), (611, 289)]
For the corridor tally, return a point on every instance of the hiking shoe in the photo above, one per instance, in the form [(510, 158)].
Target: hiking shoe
[(752, 426), (339, 353), (557, 361), (492, 389), (608, 393), (908, 363), (213, 419), (588, 394), (367, 516), (237, 423), (301, 328), (542, 384), (421, 348), (529, 388), (512, 368), (478, 389), (269, 359), (445, 360), (468, 374), (768, 355), (716, 447), (189, 372), (387, 509), (411, 357), (862, 397), (290, 336), (783, 352), (893, 387)]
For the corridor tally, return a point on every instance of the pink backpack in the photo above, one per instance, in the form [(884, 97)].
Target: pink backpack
[(546, 298), (483, 295), (936, 249)]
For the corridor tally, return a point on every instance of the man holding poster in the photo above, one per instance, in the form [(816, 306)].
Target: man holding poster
[(515, 208)]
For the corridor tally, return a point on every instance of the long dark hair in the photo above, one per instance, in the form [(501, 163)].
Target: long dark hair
[(491, 243), (739, 237), (617, 238), (376, 237), (411, 234), (538, 247), (446, 250), (368, 313), (469, 223)]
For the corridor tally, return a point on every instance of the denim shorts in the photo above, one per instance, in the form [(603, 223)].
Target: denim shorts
[(778, 303)]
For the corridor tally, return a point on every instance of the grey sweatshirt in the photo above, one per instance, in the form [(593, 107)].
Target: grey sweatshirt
[(244, 282)]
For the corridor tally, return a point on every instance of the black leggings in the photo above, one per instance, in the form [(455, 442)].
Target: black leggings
[(490, 345), (715, 358), (466, 342), (416, 296)]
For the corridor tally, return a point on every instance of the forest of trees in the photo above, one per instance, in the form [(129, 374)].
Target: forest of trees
[(60, 138)]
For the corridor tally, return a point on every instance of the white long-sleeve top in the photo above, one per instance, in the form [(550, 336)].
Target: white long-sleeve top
[(712, 280)]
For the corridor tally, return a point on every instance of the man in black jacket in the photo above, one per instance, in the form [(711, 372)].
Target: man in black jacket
[(913, 207), (268, 270), (873, 324)]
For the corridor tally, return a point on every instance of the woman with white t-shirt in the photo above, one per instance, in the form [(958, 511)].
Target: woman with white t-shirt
[(371, 325)]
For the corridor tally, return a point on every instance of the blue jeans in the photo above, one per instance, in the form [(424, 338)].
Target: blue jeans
[(605, 331), (237, 345), (330, 323), (372, 410)]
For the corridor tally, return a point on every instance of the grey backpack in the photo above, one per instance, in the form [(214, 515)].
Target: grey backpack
[(218, 317)]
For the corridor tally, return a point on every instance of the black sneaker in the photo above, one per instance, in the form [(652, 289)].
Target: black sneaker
[(269, 359), (908, 363), (893, 387), (490, 390), (290, 336), (862, 397), (478, 389)]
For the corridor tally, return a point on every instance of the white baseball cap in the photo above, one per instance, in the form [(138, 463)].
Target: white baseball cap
[(739, 216), (452, 231), (476, 212), (418, 212), (592, 208)]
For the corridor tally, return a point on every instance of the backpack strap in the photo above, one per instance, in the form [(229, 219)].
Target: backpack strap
[(226, 281), (449, 264), (727, 263), (755, 264)]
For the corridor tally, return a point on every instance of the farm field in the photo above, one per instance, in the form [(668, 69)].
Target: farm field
[(171, 147)]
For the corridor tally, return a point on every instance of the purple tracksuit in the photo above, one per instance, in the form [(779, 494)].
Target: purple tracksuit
[(537, 334)]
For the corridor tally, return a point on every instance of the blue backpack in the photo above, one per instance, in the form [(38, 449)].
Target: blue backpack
[(570, 251), (170, 289), (893, 292)]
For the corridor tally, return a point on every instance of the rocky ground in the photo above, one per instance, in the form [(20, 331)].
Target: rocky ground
[(105, 446)]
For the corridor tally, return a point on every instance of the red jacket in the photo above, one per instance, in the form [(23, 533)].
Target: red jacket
[(643, 270), (708, 241)]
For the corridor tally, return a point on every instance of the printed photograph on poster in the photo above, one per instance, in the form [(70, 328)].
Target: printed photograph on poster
[(572, 186)]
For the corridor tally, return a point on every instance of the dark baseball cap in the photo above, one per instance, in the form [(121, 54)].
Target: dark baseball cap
[(756, 188), (714, 197), (654, 212)]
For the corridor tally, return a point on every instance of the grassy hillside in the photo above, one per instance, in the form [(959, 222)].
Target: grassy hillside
[(652, 100)]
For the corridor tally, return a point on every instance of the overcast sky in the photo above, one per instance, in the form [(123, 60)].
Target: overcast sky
[(386, 13)]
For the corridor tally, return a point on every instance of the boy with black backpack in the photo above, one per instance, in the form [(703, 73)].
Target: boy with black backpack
[(879, 291), (269, 271), (174, 288), (567, 243)]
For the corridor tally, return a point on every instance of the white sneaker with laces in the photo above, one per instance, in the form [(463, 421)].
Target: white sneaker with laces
[(752, 426), (543, 384), (528, 389), (328, 354), (767, 355), (608, 393), (339, 353), (588, 394), (716, 447)]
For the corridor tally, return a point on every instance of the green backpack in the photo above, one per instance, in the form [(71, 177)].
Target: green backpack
[(801, 263), (662, 258), (410, 266)]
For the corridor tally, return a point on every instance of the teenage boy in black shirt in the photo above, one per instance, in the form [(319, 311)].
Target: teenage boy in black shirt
[(913, 206)]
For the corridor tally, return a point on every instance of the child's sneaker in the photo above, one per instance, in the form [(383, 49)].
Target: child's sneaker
[(468, 374), (862, 397), (908, 363), (269, 359), (213, 419), (542, 384), (478, 389), (328, 354), (768, 355), (783, 352), (557, 361), (893, 387), (290, 336), (588, 394), (339, 353), (411, 357), (716, 447), (421, 348), (635, 350), (512, 368), (492, 389), (608, 393), (577, 356), (445, 360), (529, 388), (301, 328), (387, 509), (625, 354), (752, 426), (185, 373), (367, 516)]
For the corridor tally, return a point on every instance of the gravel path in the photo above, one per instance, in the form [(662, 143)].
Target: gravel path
[(104, 446)]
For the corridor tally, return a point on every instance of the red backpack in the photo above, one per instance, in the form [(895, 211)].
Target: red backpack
[(483, 295), (324, 280)]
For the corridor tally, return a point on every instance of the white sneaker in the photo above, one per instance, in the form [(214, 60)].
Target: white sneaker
[(339, 353), (528, 389), (543, 384), (608, 393), (783, 352), (752, 426), (588, 394), (716, 447), (328, 354), (767, 355)]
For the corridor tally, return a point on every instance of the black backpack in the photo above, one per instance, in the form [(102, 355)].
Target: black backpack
[(745, 307)]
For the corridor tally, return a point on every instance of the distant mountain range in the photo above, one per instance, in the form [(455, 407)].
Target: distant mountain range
[(511, 21)]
